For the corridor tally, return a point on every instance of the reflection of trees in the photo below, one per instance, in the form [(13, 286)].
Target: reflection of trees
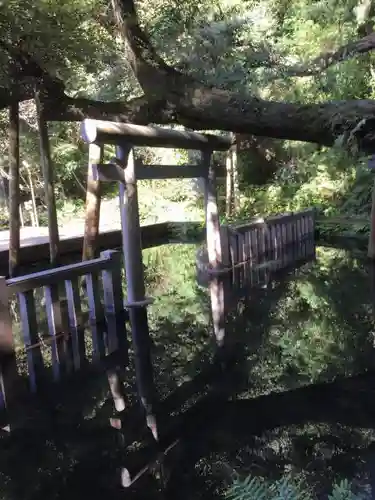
[(317, 428), (267, 435)]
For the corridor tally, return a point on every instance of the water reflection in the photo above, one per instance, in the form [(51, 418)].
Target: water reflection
[(313, 325), (309, 324)]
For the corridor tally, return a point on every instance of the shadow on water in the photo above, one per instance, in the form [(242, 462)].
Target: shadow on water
[(316, 338), (287, 408)]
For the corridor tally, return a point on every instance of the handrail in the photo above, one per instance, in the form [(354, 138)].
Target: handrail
[(268, 220), (53, 276)]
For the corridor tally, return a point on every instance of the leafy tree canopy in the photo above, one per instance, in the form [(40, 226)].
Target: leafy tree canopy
[(257, 67)]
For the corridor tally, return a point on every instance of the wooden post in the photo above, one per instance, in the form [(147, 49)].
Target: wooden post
[(212, 215), (229, 185), (214, 250), (236, 189), (8, 364), (371, 243), (32, 191), (47, 169), (136, 301), (93, 201), (22, 221), (14, 189)]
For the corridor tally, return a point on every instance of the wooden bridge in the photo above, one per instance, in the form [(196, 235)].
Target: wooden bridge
[(75, 319)]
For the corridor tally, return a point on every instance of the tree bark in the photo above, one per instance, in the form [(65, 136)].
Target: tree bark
[(172, 97)]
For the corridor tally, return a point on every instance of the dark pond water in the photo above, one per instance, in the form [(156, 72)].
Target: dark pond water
[(302, 405), (298, 402)]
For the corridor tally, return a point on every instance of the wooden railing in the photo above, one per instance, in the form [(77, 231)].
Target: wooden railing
[(74, 337), (273, 243), (264, 240)]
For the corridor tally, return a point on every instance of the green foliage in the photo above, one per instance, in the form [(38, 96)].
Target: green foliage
[(255, 488), (242, 46), (326, 180)]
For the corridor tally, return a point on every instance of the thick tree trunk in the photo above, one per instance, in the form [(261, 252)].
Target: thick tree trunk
[(202, 108)]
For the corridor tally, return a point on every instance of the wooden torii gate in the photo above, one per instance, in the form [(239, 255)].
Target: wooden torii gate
[(125, 171)]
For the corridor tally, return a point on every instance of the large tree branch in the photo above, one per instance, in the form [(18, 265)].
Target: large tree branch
[(216, 109), (197, 106), (172, 97), (141, 110)]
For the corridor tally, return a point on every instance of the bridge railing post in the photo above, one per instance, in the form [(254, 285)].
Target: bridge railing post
[(8, 364)]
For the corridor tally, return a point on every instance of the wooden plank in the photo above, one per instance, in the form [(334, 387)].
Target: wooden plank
[(132, 249), (61, 347), (47, 169), (312, 246), (14, 189), (224, 243), (241, 247), (96, 315), (288, 242), (279, 247), (111, 172), (233, 248), (267, 236), (56, 275), (304, 236), (175, 171), (76, 330), (294, 240), (93, 200), (8, 363), (108, 172), (116, 325), (114, 301), (299, 236), (104, 132), (29, 328), (261, 255)]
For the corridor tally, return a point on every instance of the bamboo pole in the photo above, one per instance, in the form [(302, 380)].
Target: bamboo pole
[(47, 169), (93, 202), (14, 189)]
